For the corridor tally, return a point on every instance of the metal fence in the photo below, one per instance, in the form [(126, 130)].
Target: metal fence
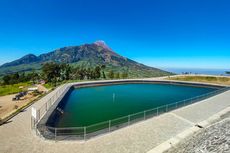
[(59, 93), (84, 133)]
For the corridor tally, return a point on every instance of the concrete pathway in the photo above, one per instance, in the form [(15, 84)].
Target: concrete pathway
[(16, 135), (212, 139)]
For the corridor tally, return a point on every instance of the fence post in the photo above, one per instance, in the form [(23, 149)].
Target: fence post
[(166, 108), (36, 129), (84, 133), (157, 111), (49, 103), (55, 131), (176, 104), (128, 119), (38, 112), (144, 115), (31, 122), (109, 125)]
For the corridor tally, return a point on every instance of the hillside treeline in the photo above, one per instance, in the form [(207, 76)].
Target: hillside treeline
[(55, 73)]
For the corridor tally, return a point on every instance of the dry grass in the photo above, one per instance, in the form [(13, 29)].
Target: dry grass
[(206, 79)]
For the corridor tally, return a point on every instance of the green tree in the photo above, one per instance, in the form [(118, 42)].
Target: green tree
[(103, 75), (88, 73), (51, 72), (65, 71), (111, 74), (124, 75), (22, 77), (117, 75), (97, 72), (33, 76), (15, 78), (82, 73), (75, 73), (6, 79), (103, 71)]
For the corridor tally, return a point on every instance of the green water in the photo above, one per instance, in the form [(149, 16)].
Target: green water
[(86, 106)]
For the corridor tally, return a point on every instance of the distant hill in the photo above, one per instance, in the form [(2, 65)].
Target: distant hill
[(87, 55)]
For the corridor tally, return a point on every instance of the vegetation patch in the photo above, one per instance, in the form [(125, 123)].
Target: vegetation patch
[(53, 74), (206, 79), (12, 89), (48, 85)]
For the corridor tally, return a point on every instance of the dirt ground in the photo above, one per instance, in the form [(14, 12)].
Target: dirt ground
[(8, 106)]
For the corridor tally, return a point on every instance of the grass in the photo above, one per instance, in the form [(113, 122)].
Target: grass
[(48, 85), (12, 89), (206, 79)]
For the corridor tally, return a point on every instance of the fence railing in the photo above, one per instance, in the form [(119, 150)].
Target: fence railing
[(87, 132), (46, 106)]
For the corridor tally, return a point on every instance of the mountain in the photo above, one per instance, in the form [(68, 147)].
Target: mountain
[(87, 55)]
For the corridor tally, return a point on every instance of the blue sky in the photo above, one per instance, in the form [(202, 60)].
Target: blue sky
[(160, 33)]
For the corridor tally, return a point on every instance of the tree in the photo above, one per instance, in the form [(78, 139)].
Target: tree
[(111, 74), (103, 67), (124, 75), (97, 72), (6, 79), (65, 71), (227, 72), (82, 73), (12, 78), (75, 73), (34, 77), (88, 73), (15, 78), (21, 77), (103, 71), (117, 75), (51, 72), (103, 75)]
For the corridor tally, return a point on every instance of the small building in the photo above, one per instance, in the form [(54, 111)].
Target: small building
[(32, 89)]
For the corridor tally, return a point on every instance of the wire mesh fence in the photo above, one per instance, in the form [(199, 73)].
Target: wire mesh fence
[(59, 93), (83, 133)]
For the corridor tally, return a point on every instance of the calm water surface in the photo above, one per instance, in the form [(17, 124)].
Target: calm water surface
[(86, 106)]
